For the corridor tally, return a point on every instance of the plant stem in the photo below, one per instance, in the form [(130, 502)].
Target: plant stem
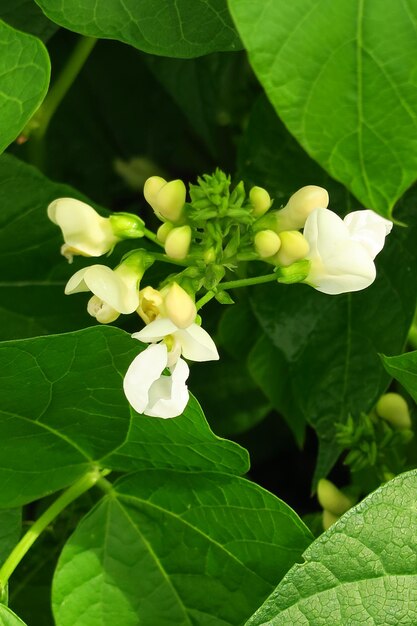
[(167, 259), (151, 235), (69, 495), (234, 284), (55, 96)]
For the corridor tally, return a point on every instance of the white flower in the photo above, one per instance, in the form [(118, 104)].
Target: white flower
[(342, 252), (193, 342), (115, 291), (147, 389), (85, 231), (152, 393)]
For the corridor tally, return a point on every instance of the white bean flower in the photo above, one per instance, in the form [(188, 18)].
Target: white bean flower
[(342, 252), (168, 344), (85, 232)]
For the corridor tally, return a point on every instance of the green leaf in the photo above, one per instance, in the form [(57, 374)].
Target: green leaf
[(363, 570), (62, 408), (185, 442), (10, 530), (24, 72), (8, 618), (327, 365), (185, 28), (33, 273), (176, 548), (26, 15), (324, 69), (404, 369)]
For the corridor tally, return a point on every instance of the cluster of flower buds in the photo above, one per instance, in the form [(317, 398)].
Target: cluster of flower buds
[(333, 502), (207, 235)]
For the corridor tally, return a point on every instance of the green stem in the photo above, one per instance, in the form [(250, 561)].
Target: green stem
[(151, 235), (43, 116), (234, 284), (167, 259), (72, 493)]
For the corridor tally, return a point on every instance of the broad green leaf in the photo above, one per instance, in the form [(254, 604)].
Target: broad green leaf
[(404, 369), (185, 442), (8, 618), (33, 273), (350, 101), (10, 530), (186, 28), (24, 79), (327, 365), (26, 15), (63, 409), (363, 570), (176, 548)]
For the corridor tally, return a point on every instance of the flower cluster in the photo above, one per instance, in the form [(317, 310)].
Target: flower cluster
[(207, 237)]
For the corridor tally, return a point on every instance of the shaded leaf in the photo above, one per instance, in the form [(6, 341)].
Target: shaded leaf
[(10, 529), (176, 548), (363, 570), (404, 369), (8, 618), (27, 16)]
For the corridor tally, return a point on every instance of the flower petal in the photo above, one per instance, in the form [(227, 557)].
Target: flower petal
[(76, 283), (108, 286), (156, 330), (142, 373), (168, 396), (196, 344), (323, 230), (369, 229)]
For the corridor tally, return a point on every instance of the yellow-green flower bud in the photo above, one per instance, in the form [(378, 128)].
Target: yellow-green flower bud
[(209, 256), (328, 519), (179, 306), (393, 408), (166, 199), (331, 498), (267, 243), (293, 216), (163, 230), (294, 247), (127, 225), (178, 242), (260, 200)]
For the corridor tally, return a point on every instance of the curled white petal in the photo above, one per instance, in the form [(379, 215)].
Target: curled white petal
[(149, 391), (196, 344), (369, 229), (156, 330)]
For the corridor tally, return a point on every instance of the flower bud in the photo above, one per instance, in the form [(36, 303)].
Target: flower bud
[(331, 498), (151, 304), (295, 273), (127, 225), (179, 306), (260, 200), (102, 311), (328, 519), (293, 216), (166, 199), (393, 408), (209, 256), (294, 247), (267, 243), (178, 242), (163, 230)]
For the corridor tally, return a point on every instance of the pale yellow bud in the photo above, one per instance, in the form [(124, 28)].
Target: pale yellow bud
[(180, 307), (166, 199), (152, 187), (151, 304), (260, 200), (163, 230), (293, 216), (294, 247), (209, 256), (267, 243), (331, 498), (178, 242), (103, 312), (328, 519), (393, 408)]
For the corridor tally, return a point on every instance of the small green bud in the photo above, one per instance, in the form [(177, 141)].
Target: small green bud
[(331, 498), (224, 298), (294, 247), (267, 243), (127, 225), (178, 241), (328, 519), (209, 256), (295, 273), (214, 274), (260, 201), (163, 230), (394, 409)]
